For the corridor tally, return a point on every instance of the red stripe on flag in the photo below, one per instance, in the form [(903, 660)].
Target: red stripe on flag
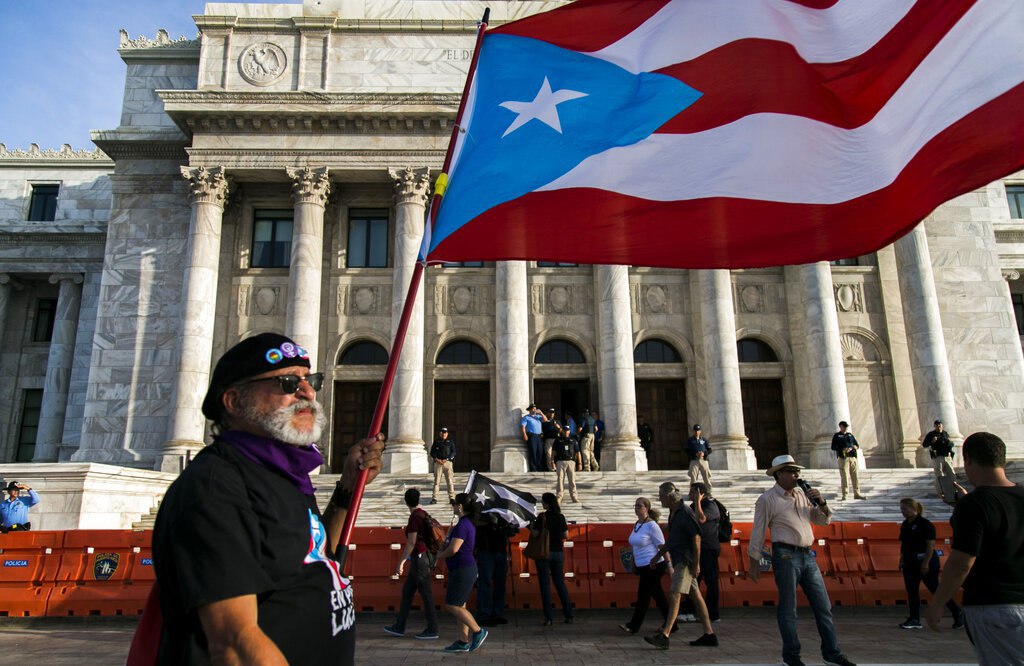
[(585, 25), (763, 76), (740, 233)]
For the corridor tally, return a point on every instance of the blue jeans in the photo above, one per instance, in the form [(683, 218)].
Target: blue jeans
[(552, 570), (793, 567), (490, 587)]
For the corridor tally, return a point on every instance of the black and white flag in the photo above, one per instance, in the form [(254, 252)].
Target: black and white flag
[(515, 507)]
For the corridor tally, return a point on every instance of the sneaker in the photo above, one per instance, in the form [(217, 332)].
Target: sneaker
[(477, 640), (458, 646), (841, 660), (391, 631), (792, 661), (958, 621), (427, 635), (688, 617), (911, 623), (628, 629), (707, 640), (658, 640)]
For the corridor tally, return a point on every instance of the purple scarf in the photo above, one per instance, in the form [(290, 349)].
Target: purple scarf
[(293, 462)]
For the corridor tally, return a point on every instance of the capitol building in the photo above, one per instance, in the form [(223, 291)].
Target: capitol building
[(273, 174)]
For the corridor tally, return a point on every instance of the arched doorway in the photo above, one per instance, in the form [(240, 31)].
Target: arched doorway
[(361, 368), (569, 394), (661, 400), (764, 414), (463, 405)]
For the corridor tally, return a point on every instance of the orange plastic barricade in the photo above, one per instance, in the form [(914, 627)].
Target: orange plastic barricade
[(370, 565), (609, 585), (884, 589), (93, 576), (28, 567)]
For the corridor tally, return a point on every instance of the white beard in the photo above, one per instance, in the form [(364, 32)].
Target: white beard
[(279, 423)]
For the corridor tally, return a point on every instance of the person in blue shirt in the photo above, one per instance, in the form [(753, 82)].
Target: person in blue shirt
[(532, 427), (598, 434), (14, 509)]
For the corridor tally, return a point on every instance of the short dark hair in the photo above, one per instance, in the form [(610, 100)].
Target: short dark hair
[(985, 449), (412, 497), (701, 488)]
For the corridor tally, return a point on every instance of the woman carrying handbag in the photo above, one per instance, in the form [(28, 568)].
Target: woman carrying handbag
[(645, 540), (552, 569)]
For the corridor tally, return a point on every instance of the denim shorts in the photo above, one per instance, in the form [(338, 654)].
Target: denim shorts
[(460, 584)]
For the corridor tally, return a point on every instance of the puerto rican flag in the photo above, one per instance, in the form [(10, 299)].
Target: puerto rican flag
[(728, 133)]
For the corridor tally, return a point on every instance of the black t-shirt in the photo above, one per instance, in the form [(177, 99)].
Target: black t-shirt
[(550, 429), (556, 527), (709, 530), (682, 527), (987, 524), (914, 535), (565, 448), (230, 527)]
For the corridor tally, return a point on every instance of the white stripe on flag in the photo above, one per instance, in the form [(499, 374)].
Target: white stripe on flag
[(856, 25), (513, 497), (509, 517), (781, 158)]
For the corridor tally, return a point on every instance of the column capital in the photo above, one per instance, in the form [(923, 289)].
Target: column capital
[(411, 185), (206, 185), (15, 283), (312, 185), (1010, 274), (75, 278)]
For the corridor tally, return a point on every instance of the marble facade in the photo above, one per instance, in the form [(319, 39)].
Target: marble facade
[(330, 109)]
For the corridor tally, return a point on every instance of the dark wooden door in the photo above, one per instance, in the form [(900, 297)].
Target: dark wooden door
[(572, 397), (663, 404), (764, 419), (465, 409), (354, 403)]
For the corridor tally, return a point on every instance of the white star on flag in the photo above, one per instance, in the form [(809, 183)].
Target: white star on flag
[(482, 498), (544, 107)]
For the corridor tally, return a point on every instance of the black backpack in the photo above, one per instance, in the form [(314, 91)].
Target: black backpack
[(724, 523)]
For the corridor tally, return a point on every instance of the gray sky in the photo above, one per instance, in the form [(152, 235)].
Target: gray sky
[(61, 74)]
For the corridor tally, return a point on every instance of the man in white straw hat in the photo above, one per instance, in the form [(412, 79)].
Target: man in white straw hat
[(788, 513)]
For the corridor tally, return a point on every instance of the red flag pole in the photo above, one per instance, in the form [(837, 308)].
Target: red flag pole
[(410, 300)]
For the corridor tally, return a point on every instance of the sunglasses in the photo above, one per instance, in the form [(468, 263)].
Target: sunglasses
[(290, 383)]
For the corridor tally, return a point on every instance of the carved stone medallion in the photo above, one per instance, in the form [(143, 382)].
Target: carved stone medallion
[(263, 63), (462, 299), (266, 300), (365, 300), (752, 298), (656, 299), (558, 299)]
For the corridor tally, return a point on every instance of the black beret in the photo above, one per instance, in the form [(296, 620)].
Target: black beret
[(249, 358)]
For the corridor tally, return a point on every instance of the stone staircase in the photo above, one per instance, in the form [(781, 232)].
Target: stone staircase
[(607, 497)]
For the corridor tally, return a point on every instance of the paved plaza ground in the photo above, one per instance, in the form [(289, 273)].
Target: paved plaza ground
[(748, 636)]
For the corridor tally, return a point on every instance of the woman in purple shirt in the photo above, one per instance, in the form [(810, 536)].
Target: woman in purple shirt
[(462, 574)]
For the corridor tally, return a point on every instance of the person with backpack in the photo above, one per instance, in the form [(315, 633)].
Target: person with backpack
[(709, 515), (462, 574), (420, 541)]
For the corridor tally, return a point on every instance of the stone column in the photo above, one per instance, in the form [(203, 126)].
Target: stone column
[(58, 367), (406, 452), (722, 374), (208, 190), (620, 449), (830, 402), (512, 366), (929, 366), (302, 322), (7, 285)]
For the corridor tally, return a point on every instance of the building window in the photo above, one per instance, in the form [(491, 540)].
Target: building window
[(272, 239), (553, 264), (655, 351), (42, 206), (462, 352), (463, 264), (1015, 197), (559, 351), (755, 351), (851, 261), (1018, 311), (29, 425), (364, 353), (368, 239), (46, 312)]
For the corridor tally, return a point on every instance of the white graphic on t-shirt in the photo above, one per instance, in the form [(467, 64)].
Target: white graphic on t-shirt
[(343, 612)]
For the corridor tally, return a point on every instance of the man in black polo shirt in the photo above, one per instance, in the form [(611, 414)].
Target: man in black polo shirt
[(243, 558), (987, 557)]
